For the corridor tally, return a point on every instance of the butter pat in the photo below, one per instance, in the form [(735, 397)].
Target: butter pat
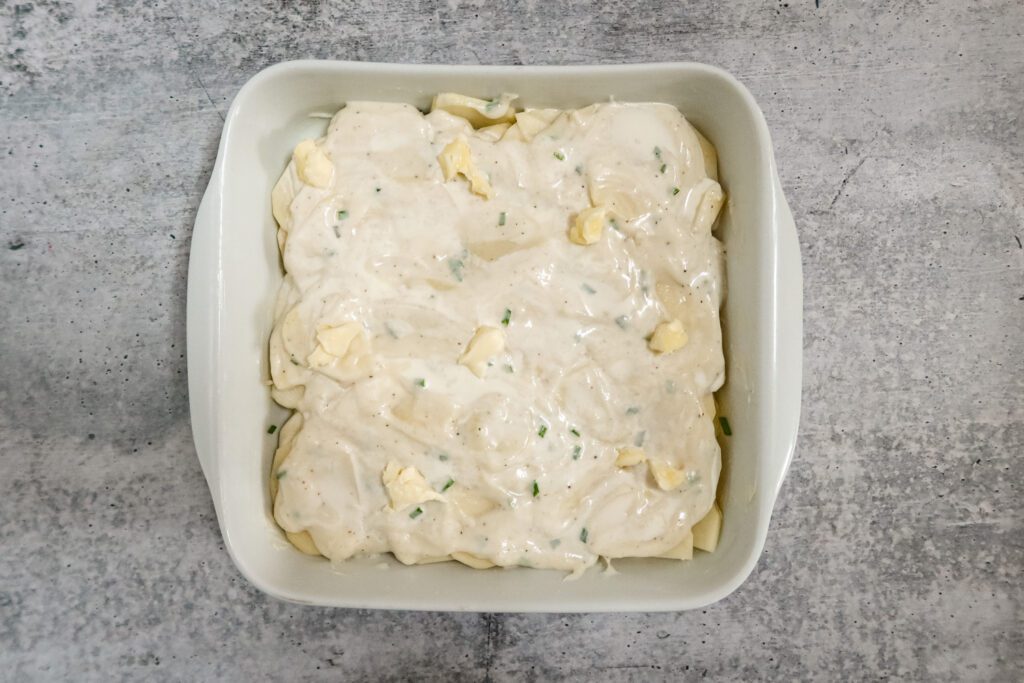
[(346, 342), (319, 358), (668, 337), (629, 456), (406, 486), (485, 344), (457, 158), (667, 477), (588, 226), (312, 164)]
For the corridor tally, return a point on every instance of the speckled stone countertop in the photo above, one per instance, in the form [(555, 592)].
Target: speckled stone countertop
[(897, 546)]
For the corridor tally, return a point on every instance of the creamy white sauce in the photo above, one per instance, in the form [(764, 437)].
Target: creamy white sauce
[(419, 264)]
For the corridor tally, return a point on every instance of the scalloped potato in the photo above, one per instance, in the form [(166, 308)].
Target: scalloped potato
[(499, 331)]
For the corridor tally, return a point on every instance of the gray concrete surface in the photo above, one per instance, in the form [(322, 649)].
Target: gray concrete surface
[(896, 549)]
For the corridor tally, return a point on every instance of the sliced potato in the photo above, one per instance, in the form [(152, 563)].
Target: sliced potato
[(479, 113), (284, 448), (281, 197), (711, 203), (683, 551), (303, 541), (473, 561), (288, 398), (533, 121), (707, 530), (491, 134), (710, 156), (495, 249), (469, 503)]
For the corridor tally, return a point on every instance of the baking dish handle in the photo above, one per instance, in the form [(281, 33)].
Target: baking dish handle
[(789, 338), (201, 331)]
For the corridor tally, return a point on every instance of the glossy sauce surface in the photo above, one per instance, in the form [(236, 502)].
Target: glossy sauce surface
[(562, 436)]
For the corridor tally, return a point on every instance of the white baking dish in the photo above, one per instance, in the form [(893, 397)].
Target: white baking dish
[(234, 273)]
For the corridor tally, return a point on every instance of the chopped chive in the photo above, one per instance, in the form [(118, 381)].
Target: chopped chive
[(420, 382), (724, 421), (491, 104), (675, 191), (337, 231), (584, 534), (456, 266), (575, 432), (508, 316), (632, 410), (670, 386), (281, 474), (536, 489), (576, 450), (443, 457), (588, 289), (638, 440), (579, 169), (391, 331), (692, 477), (663, 167), (615, 225), (416, 513), (559, 156), (448, 484), (555, 542), (271, 429), (342, 215), (292, 359), (657, 153), (542, 431), (509, 369), (501, 218), (376, 189), (622, 321)]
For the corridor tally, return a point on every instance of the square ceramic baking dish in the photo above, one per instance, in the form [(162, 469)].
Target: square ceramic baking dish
[(234, 273)]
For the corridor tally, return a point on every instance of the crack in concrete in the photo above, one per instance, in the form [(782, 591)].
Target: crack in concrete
[(189, 68), (493, 627), (842, 185)]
